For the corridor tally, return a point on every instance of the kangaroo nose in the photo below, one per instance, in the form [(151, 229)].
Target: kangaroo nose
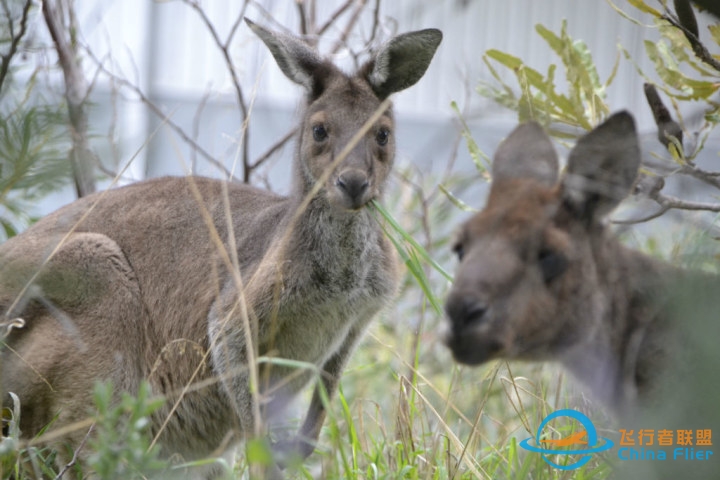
[(354, 185), (464, 310)]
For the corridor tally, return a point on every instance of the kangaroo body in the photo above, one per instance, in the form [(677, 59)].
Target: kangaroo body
[(171, 280), (542, 278)]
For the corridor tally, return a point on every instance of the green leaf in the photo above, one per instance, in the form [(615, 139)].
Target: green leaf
[(258, 452), (715, 33), (412, 254), (643, 7), (689, 88), (409, 239), (481, 160), (456, 201)]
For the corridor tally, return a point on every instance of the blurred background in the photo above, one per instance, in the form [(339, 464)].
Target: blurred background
[(97, 94), (154, 69)]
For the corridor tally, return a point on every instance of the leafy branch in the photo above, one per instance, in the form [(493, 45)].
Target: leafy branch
[(14, 35), (584, 105)]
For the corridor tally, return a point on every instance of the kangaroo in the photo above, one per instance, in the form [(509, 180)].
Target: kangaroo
[(540, 277), (184, 281)]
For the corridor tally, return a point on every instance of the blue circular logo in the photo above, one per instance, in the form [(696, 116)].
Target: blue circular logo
[(592, 441)]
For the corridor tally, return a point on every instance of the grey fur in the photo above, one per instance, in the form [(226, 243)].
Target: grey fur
[(541, 277), (145, 274)]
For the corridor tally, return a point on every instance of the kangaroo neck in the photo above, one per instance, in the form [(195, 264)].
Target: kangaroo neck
[(316, 224), (616, 361)]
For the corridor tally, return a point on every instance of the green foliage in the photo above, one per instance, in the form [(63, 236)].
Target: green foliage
[(539, 98), (119, 441), (414, 255), (19, 460), (31, 160), (10, 445), (33, 136), (687, 71)]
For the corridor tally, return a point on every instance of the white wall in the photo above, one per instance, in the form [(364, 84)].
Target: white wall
[(166, 50)]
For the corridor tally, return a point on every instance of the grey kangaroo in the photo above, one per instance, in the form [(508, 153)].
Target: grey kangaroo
[(171, 280), (542, 278)]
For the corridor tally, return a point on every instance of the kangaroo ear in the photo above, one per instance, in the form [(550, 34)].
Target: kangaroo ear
[(297, 60), (602, 168), (402, 61), (526, 153)]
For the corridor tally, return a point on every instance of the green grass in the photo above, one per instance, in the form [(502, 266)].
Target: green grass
[(405, 409)]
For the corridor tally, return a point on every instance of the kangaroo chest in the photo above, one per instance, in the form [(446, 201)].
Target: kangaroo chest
[(317, 313)]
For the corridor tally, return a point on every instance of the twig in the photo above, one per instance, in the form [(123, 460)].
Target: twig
[(711, 178), (274, 148), (73, 460), (333, 18), (349, 26), (312, 16), (166, 119), (376, 22), (237, 23), (196, 129), (667, 127), (76, 90), (646, 218), (225, 50), (667, 203), (303, 18), (14, 39), (701, 52)]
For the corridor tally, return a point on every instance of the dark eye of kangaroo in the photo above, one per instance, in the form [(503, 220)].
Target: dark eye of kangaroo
[(381, 137), (459, 251), (319, 132), (552, 264)]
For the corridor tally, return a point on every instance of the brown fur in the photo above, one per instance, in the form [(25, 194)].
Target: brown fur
[(138, 282), (542, 278)]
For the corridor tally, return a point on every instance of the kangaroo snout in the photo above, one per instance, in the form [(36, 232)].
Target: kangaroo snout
[(464, 310), (354, 186), (469, 336)]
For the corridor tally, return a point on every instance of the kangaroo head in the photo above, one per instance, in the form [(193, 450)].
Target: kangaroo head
[(338, 105), (528, 283)]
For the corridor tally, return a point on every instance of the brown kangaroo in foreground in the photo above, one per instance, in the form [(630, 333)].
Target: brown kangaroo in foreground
[(171, 280), (542, 278)]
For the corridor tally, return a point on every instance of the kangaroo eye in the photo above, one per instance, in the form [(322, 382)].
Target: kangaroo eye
[(319, 132), (552, 264), (381, 137), (459, 251)]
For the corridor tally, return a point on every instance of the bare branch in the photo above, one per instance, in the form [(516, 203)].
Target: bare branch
[(667, 127), (711, 178), (349, 26), (196, 129), (237, 23), (651, 187), (646, 218), (274, 148), (14, 38), (669, 202), (163, 116), (223, 46), (333, 18), (312, 16), (82, 159), (376, 22), (701, 52), (73, 460), (303, 18)]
